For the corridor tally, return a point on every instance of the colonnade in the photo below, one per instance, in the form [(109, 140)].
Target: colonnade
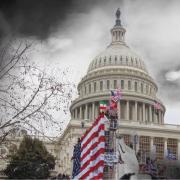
[(129, 110), (161, 151)]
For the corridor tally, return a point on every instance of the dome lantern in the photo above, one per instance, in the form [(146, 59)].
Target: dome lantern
[(118, 32)]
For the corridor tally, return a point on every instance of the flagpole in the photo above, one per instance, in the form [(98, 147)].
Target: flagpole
[(118, 120)]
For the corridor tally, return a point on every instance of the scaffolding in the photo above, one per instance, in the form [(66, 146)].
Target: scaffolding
[(110, 147)]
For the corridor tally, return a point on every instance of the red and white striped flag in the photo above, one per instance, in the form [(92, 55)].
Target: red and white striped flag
[(92, 151)]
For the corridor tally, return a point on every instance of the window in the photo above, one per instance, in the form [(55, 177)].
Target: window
[(110, 60), (115, 84), (129, 85), (146, 89), (108, 84), (122, 84), (144, 147), (172, 146), (89, 88), (85, 89), (101, 85), (115, 59), (94, 86), (159, 143), (141, 87), (135, 86)]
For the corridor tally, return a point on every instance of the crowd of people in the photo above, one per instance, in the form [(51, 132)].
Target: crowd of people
[(62, 176)]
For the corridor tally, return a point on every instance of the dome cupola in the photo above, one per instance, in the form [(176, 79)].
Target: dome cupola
[(118, 32), (117, 54)]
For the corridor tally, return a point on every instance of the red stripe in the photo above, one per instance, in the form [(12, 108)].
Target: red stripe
[(92, 158), (99, 164), (102, 107), (99, 176), (97, 120), (95, 134), (98, 153), (101, 139), (94, 124)]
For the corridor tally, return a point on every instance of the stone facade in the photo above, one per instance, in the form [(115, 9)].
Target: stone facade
[(119, 66)]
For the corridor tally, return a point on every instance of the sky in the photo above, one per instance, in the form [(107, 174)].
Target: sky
[(69, 34)]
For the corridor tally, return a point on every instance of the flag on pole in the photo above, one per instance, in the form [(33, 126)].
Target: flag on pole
[(92, 151), (116, 95), (157, 107), (102, 106), (76, 159)]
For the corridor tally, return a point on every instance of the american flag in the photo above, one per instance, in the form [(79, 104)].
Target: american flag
[(76, 159), (92, 151), (116, 95), (157, 106)]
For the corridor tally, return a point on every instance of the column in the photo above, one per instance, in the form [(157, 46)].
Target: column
[(127, 110), (159, 114), (165, 148), (119, 111), (144, 115), (73, 114), (86, 111), (76, 113), (93, 111), (178, 149), (154, 116), (150, 113), (163, 117), (96, 110), (135, 110), (80, 113)]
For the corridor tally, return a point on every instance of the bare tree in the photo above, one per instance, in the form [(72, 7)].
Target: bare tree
[(29, 96)]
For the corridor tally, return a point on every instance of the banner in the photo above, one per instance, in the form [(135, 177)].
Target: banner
[(110, 158)]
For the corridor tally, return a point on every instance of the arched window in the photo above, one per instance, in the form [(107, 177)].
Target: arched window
[(115, 84), (100, 61), (101, 85), (135, 86), (131, 61), (108, 84), (146, 89), (94, 86), (115, 59), (110, 60), (122, 84), (121, 59), (126, 60), (85, 90), (104, 60), (141, 87), (89, 88), (129, 85)]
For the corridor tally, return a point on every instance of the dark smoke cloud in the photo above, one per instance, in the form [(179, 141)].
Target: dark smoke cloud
[(39, 18)]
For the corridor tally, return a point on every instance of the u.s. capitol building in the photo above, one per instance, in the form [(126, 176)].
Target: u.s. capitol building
[(119, 66)]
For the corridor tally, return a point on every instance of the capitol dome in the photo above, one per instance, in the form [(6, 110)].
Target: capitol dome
[(118, 67), (118, 55)]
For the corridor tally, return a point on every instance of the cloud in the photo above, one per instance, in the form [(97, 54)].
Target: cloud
[(39, 18), (172, 75), (74, 32)]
